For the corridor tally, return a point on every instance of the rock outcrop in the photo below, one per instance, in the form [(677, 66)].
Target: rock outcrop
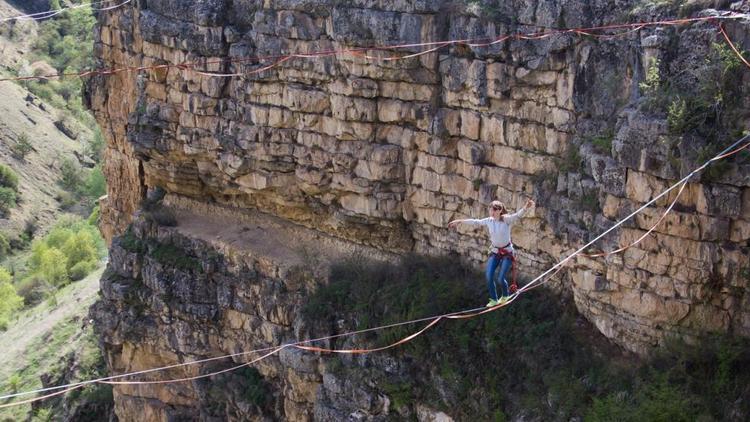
[(383, 153)]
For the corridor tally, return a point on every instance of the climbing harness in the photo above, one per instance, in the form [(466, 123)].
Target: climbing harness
[(506, 252)]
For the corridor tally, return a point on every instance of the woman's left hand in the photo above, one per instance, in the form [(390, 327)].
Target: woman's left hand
[(529, 204)]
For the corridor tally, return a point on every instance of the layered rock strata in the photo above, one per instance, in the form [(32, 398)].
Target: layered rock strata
[(384, 153), (204, 289)]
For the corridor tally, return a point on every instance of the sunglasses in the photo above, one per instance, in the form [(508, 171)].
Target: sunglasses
[(497, 208)]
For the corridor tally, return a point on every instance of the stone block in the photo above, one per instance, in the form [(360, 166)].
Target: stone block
[(493, 130), (305, 99), (353, 108), (470, 124), (426, 179), (440, 165), (499, 80), (470, 151), (739, 231), (522, 161), (386, 154), (357, 87), (359, 204), (406, 91), (375, 171)]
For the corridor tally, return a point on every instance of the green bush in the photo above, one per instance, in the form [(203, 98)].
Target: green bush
[(173, 256), (94, 217), (80, 247), (652, 85), (10, 301), (58, 236), (7, 200), (42, 414), (66, 199), (255, 390), (80, 270), (33, 289), (70, 251), (14, 381), (8, 178), (96, 184), (603, 143)]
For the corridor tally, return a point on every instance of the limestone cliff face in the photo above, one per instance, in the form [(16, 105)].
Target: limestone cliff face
[(384, 153)]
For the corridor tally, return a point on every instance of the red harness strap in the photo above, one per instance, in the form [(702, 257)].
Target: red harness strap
[(502, 253)]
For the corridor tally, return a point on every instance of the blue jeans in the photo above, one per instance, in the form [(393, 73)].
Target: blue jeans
[(504, 263)]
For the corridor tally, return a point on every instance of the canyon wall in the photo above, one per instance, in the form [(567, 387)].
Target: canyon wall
[(379, 148)]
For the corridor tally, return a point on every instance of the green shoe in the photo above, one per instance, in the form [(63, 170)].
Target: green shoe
[(503, 300), (492, 303)]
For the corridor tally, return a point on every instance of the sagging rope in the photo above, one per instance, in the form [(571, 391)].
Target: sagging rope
[(362, 51), (469, 313)]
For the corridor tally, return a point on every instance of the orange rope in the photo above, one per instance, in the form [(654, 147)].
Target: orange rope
[(731, 44)]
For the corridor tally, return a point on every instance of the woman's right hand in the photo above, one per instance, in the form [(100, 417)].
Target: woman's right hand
[(453, 224)]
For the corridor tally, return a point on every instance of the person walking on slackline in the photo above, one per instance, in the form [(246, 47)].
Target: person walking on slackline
[(501, 253)]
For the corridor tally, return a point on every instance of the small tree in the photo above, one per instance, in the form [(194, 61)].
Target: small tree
[(54, 267), (70, 175), (22, 147)]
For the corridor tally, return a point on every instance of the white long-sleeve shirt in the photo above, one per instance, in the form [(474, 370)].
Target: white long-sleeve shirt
[(499, 230)]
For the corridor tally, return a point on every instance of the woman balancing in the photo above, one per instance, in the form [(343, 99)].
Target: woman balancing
[(501, 253)]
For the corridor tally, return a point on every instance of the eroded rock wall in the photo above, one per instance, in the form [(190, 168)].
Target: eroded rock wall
[(385, 152)]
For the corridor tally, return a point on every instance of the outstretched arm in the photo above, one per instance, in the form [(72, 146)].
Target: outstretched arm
[(512, 218), (453, 224), (470, 221)]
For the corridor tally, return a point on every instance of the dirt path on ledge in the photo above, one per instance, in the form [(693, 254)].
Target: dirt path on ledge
[(272, 241)]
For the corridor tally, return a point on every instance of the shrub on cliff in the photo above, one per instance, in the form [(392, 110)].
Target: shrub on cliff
[(10, 301)]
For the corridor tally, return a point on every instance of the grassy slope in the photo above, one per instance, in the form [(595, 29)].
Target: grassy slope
[(40, 170), (41, 336)]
